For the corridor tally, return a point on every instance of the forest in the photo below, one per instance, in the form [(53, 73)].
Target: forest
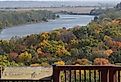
[(98, 43), (13, 18)]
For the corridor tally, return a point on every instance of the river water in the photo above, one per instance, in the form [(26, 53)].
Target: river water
[(67, 21)]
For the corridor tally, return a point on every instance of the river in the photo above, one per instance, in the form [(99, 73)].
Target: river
[(67, 21)]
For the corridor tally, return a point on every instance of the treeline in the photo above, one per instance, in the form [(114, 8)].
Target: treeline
[(97, 43), (108, 12), (118, 6), (12, 18)]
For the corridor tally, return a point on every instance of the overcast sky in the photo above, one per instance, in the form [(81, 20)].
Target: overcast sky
[(61, 0), (107, 1), (83, 2)]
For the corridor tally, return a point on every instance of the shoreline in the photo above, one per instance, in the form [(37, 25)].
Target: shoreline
[(4, 37), (29, 23)]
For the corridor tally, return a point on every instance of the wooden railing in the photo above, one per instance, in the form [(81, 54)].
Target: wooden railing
[(72, 73)]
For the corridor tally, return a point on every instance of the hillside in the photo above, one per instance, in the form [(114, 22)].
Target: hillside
[(97, 43)]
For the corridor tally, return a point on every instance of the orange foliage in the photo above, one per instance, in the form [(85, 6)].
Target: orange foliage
[(40, 53), (101, 61), (117, 21), (39, 50), (116, 44), (108, 52), (112, 43), (13, 55)]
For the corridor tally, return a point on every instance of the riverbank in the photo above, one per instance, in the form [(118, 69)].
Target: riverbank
[(64, 21), (14, 18)]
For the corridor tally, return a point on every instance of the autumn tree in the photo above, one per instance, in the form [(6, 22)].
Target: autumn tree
[(101, 61), (25, 57)]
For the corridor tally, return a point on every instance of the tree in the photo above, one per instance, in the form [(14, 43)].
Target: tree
[(82, 61), (25, 57), (95, 18), (12, 56), (101, 61), (55, 35), (44, 36), (67, 36), (115, 57)]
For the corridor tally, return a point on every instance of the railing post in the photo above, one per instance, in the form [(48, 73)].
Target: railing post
[(112, 75), (0, 72), (104, 75), (56, 74)]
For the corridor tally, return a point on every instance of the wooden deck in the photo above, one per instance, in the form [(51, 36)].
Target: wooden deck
[(72, 73)]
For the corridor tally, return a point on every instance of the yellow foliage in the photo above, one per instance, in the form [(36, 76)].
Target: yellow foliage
[(44, 35), (25, 56), (55, 47), (34, 65), (74, 42), (45, 64), (107, 38), (39, 51), (45, 43), (60, 63), (61, 52)]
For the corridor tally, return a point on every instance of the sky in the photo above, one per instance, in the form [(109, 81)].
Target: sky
[(107, 1), (61, 0)]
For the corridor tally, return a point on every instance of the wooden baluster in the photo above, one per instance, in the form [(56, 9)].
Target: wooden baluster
[(0, 72), (99, 75), (65, 75), (118, 75), (70, 76), (84, 75), (89, 75), (75, 75), (94, 75), (56, 74), (104, 75), (80, 75), (112, 75)]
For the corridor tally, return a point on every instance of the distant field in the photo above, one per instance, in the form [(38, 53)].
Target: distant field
[(58, 9), (71, 9), (26, 72)]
